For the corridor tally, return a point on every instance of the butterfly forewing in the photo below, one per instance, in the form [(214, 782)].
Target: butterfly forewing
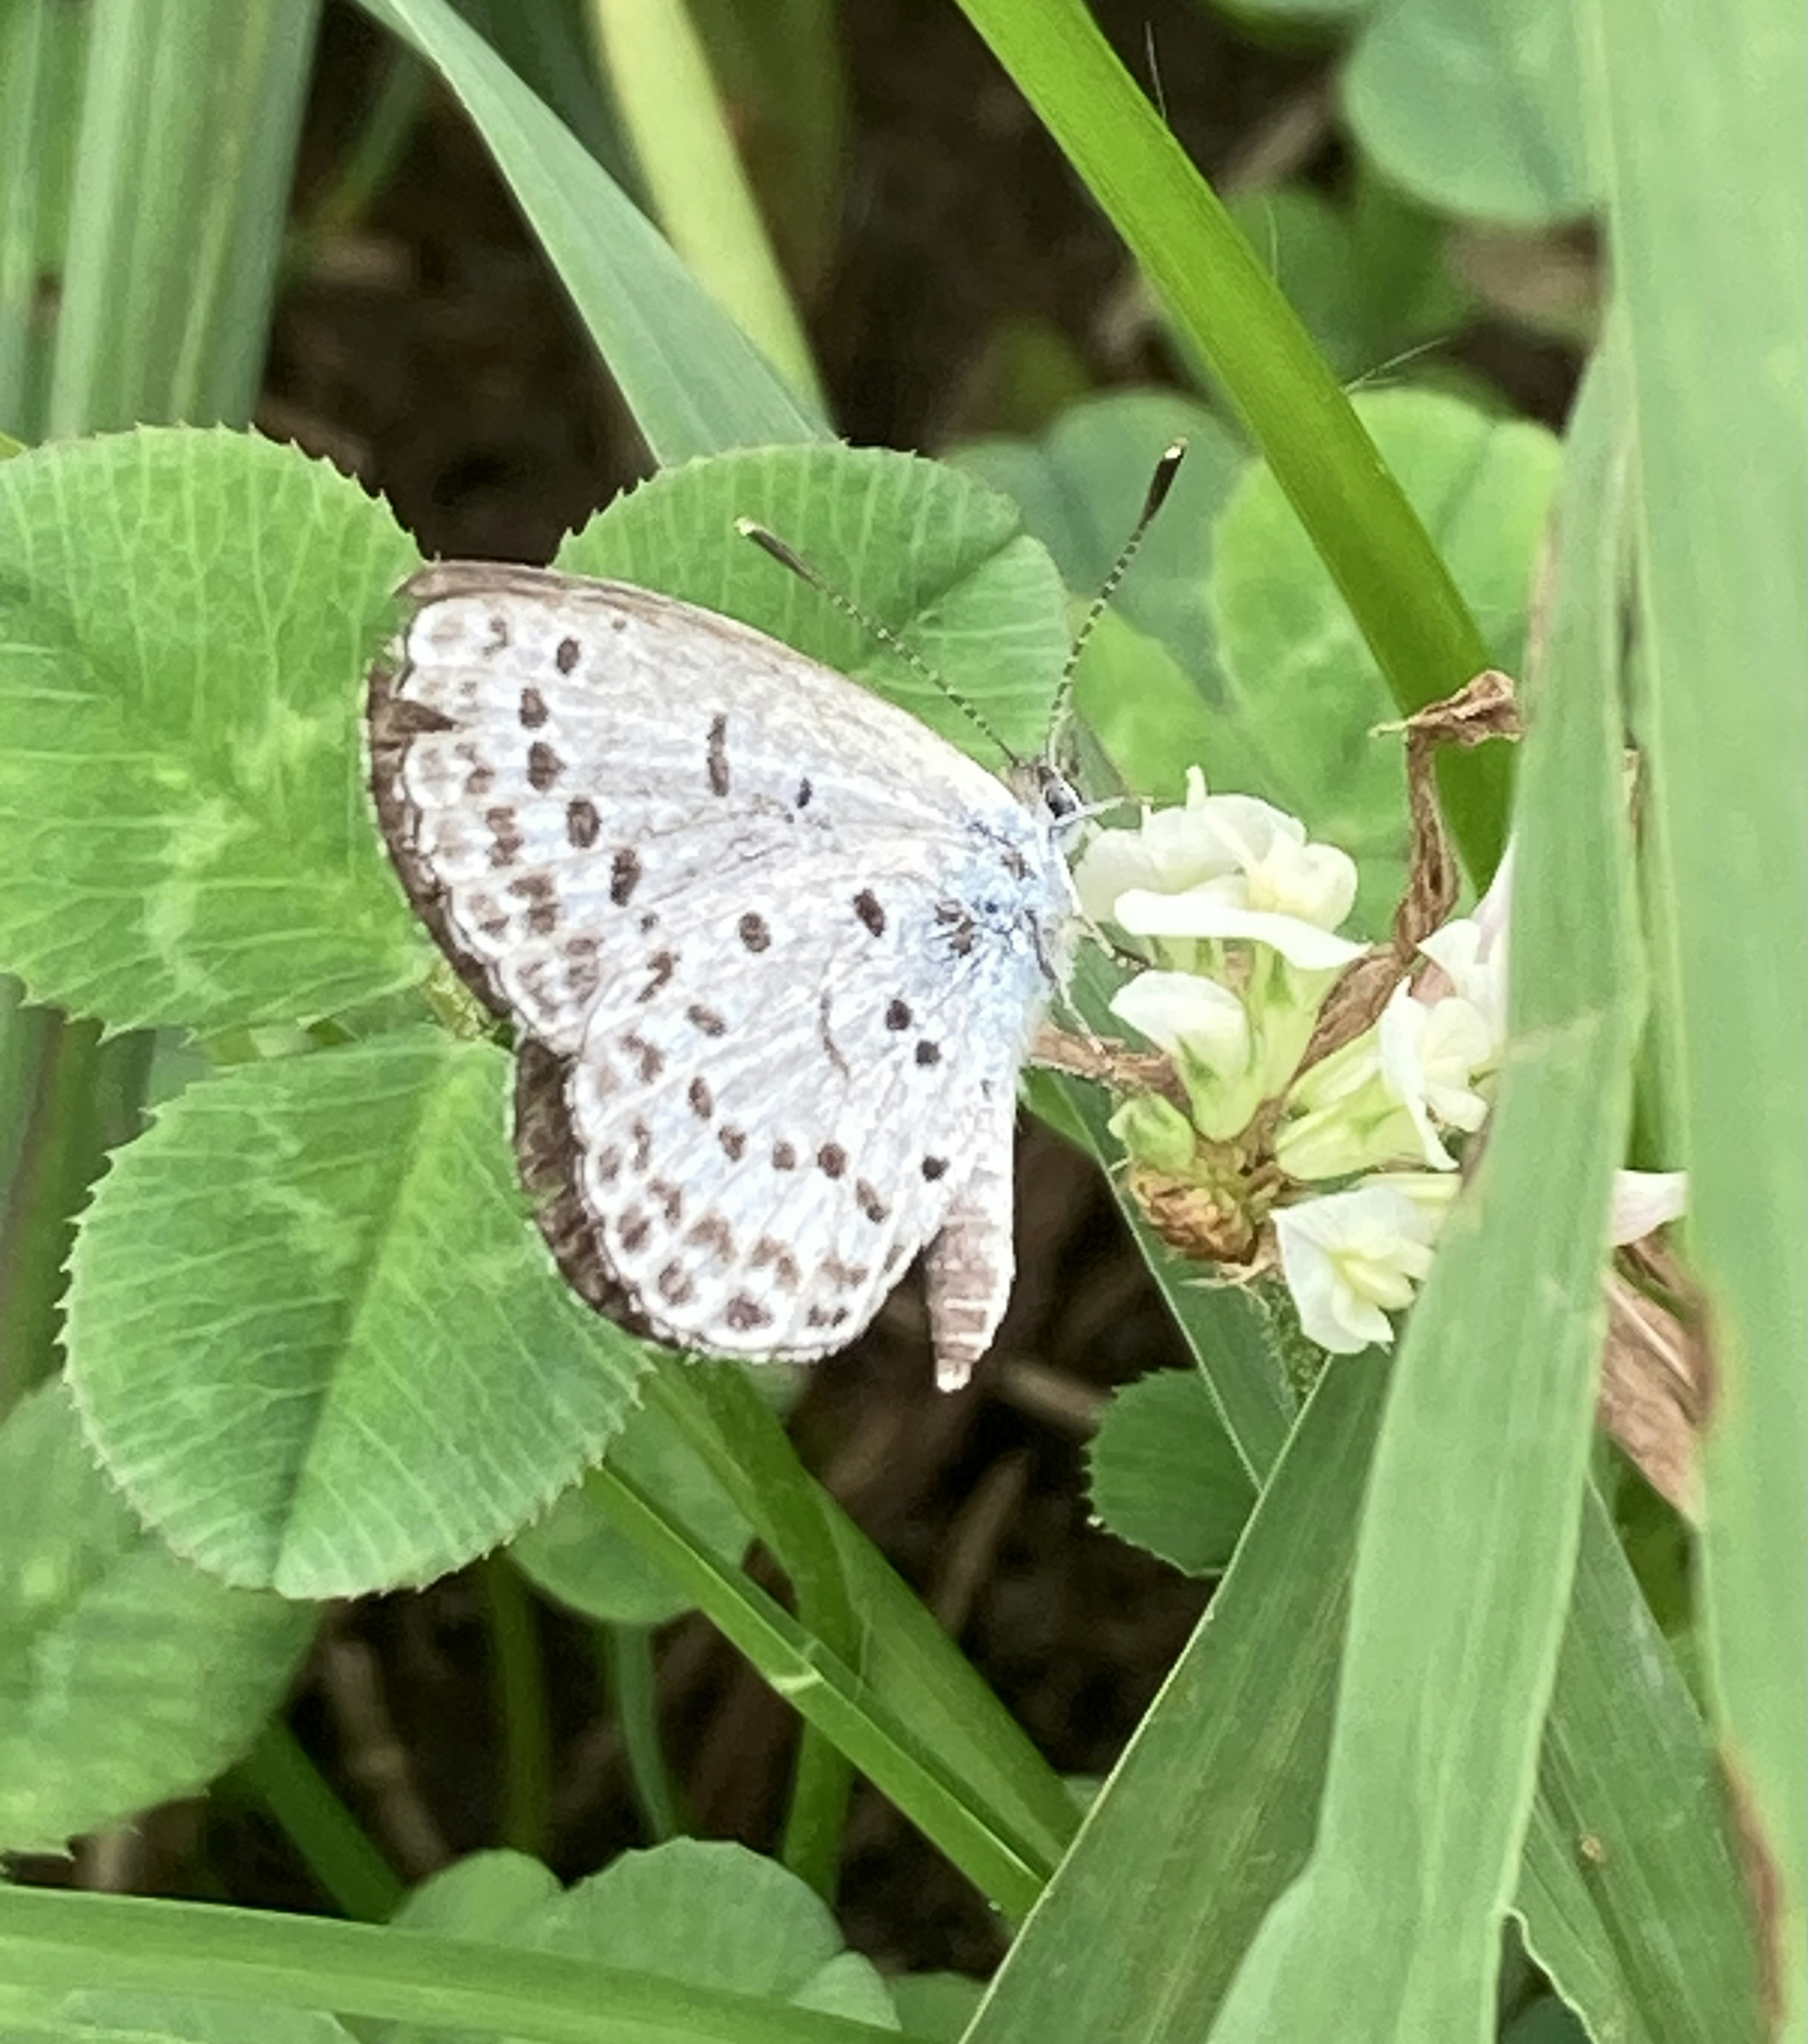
[(777, 946)]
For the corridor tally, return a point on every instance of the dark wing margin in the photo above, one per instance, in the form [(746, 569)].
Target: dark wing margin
[(547, 1155), (392, 723)]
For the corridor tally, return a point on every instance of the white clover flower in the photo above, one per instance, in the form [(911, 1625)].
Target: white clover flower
[(1189, 1015), (1469, 954), (1223, 867), (1204, 1028), (1171, 849), (1351, 1258), (1429, 1053)]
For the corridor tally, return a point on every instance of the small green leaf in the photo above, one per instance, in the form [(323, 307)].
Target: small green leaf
[(1473, 106), (127, 1677), (314, 1333), (484, 1895), (716, 1915), (934, 557), (184, 622), (1165, 1476), (1308, 689), (576, 1554)]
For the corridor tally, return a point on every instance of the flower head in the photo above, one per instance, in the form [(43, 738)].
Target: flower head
[(1351, 1259)]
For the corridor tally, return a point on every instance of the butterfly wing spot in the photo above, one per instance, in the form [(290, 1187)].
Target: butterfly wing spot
[(633, 1230), (927, 1053), (754, 931), (832, 1160), (533, 711), (704, 1019), (670, 1198), (743, 1314), (802, 799), (660, 967), (774, 1255), (582, 824), (714, 1234), (871, 911), (934, 1168), (897, 1016), (567, 656), (784, 1157), (543, 766), (507, 844), (624, 875), (870, 1204), (702, 1102), (717, 756), (733, 1142), (649, 1057)]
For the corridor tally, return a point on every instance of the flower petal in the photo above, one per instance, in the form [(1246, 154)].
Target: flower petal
[(1202, 911)]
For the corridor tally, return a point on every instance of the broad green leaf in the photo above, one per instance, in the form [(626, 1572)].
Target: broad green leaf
[(1472, 105), (1308, 691), (127, 1677), (576, 1555), (1162, 1473), (1466, 1550), (185, 619), (695, 384), (938, 560), (1704, 149), (314, 1333)]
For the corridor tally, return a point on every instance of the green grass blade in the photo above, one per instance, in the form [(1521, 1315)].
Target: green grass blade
[(696, 385), (54, 1943), (1469, 1536), (1009, 1865), (189, 122), (674, 114), (1228, 307), (1713, 275)]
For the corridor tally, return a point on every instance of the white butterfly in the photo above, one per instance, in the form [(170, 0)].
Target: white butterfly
[(776, 951)]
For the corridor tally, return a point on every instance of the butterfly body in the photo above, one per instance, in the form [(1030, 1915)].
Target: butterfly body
[(774, 950)]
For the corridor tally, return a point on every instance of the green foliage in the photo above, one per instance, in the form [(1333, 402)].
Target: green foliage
[(185, 618), (326, 1260), (1163, 1474), (126, 1676), (576, 1555), (1472, 105), (1307, 695), (313, 1335)]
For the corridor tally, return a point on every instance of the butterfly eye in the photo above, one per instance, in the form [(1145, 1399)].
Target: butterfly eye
[(1059, 798)]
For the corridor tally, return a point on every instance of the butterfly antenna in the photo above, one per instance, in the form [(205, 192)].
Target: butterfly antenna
[(1159, 484), (786, 557)]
